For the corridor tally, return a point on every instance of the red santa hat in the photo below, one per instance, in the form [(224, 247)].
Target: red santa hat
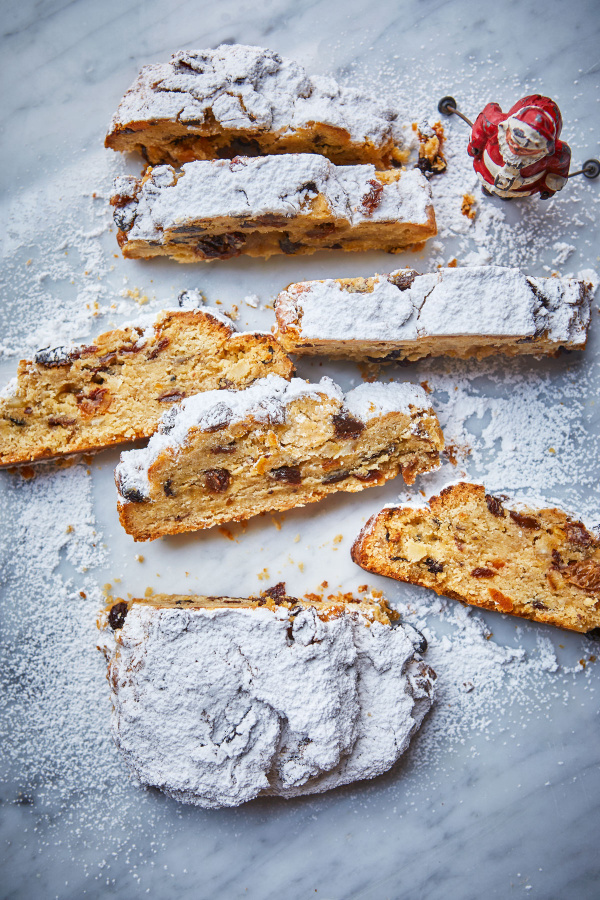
[(533, 128)]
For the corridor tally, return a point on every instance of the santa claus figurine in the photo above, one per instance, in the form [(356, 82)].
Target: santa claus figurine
[(517, 154)]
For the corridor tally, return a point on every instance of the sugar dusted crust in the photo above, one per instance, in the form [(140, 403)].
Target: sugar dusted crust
[(84, 398), (536, 563), (294, 204), (240, 100), (371, 609), (227, 456), (220, 700), (459, 312)]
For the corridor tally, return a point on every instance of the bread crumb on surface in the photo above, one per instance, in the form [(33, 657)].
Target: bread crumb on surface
[(468, 208)]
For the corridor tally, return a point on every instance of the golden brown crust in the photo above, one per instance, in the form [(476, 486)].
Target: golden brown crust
[(357, 318), (535, 563), (237, 100), (333, 607), (174, 143)]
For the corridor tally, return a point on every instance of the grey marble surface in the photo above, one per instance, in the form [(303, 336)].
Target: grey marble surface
[(506, 805)]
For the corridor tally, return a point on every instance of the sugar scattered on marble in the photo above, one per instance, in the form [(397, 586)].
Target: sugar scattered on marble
[(55, 701)]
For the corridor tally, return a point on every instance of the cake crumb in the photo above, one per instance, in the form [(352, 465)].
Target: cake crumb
[(368, 372), (468, 206), (136, 295), (226, 533)]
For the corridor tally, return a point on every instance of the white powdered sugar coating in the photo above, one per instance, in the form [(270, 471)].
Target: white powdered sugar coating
[(217, 706), (479, 300), (265, 185), (252, 90), (265, 401), (375, 399)]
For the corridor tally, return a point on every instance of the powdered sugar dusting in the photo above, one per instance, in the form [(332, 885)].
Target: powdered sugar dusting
[(264, 185), (502, 420), (217, 706), (253, 89), (478, 300), (265, 401)]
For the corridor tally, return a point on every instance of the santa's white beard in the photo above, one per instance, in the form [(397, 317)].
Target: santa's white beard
[(513, 159)]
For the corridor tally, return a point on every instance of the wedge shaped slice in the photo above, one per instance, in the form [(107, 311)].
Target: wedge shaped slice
[(84, 398), (536, 563)]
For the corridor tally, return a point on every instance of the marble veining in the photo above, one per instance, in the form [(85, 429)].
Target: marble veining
[(510, 809)]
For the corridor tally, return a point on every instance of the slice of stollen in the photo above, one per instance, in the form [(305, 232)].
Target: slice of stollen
[(461, 312), (265, 205), (236, 99), (87, 397), (537, 563), (218, 700), (226, 456)]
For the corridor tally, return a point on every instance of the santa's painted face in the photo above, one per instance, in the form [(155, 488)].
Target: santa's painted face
[(513, 139), (524, 140)]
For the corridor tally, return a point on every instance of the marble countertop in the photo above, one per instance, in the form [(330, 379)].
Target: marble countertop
[(498, 796)]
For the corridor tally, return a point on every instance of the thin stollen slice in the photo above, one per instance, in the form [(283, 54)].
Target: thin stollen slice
[(461, 312), (218, 700), (537, 563), (87, 397), (235, 99), (229, 455), (266, 205)]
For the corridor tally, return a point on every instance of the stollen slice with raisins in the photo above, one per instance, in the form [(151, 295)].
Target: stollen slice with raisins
[(237, 99), (84, 398), (261, 206), (217, 700), (226, 456), (536, 563), (460, 312)]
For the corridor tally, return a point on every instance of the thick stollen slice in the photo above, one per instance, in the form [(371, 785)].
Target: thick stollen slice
[(77, 398), (220, 700), (294, 204), (536, 563), (225, 456), (210, 104), (461, 312)]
